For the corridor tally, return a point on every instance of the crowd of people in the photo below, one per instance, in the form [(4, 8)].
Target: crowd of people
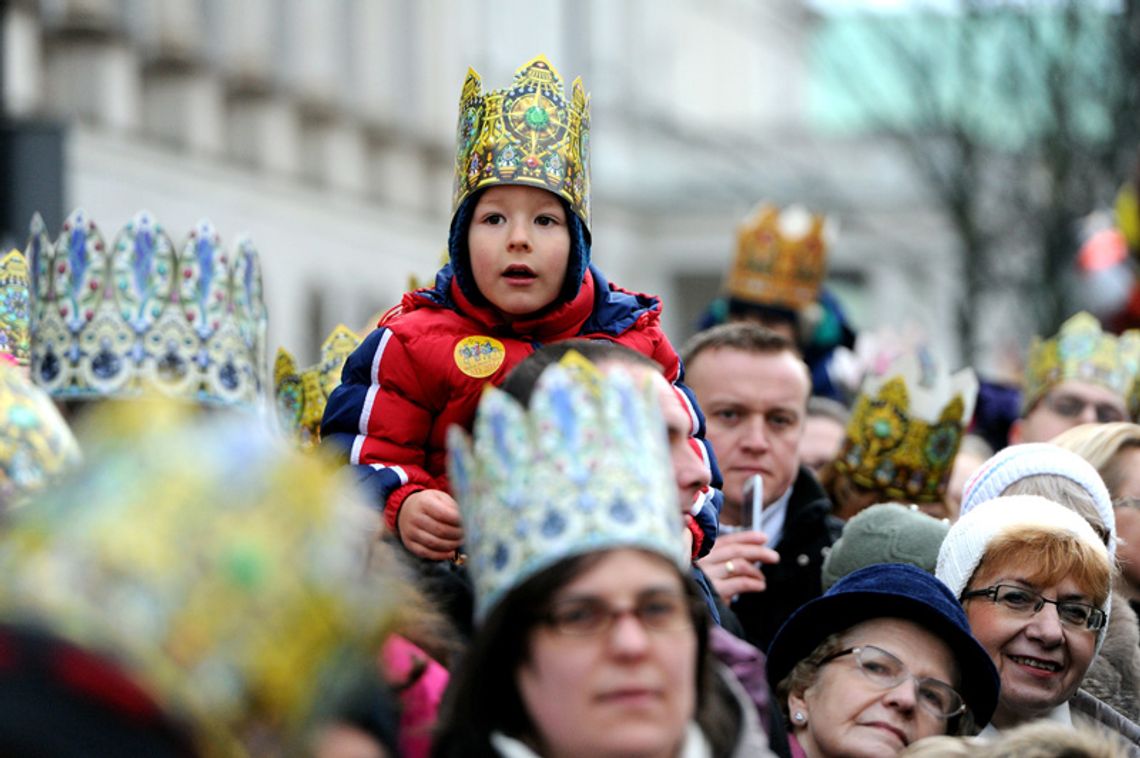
[(512, 519)]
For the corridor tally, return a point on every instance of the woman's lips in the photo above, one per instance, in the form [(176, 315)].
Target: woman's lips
[(890, 729)]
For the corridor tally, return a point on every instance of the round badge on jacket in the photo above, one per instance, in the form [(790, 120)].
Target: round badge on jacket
[(479, 356)]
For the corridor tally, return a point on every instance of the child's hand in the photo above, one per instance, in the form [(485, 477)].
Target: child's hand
[(429, 524)]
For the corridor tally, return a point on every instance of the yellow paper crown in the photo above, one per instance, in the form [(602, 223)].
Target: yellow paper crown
[(302, 395), (14, 308), (1080, 350), (774, 265), (903, 436), (526, 134)]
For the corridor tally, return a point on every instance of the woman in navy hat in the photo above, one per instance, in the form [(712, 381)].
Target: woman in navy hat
[(883, 659)]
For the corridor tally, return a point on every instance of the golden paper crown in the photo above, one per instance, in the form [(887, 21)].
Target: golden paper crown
[(527, 134), (15, 315), (777, 265), (905, 430), (1080, 350), (1129, 346), (302, 395)]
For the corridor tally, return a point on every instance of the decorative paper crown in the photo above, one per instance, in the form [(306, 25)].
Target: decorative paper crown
[(780, 258), (586, 468), (1129, 346), (302, 395), (14, 308), (35, 442), (228, 574), (142, 315), (527, 134), (1080, 350), (905, 430)]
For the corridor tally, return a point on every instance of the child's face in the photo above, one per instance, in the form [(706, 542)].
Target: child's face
[(520, 248)]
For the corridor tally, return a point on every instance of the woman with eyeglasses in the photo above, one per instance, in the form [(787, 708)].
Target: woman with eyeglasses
[(881, 660), (1058, 472), (591, 638), (1034, 580)]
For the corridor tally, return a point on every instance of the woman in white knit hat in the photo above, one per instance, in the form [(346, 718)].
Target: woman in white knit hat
[(1034, 579), (1061, 475)]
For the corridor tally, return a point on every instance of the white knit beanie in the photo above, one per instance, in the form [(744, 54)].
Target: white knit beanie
[(1017, 462), (969, 538)]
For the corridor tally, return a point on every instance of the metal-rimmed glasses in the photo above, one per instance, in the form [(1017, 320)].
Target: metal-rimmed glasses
[(885, 672), (1026, 602), (656, 611)]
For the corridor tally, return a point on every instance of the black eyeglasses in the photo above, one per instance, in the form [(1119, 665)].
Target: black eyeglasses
[(885, 672), (656, 612), (1025, 602), (1071, 406)]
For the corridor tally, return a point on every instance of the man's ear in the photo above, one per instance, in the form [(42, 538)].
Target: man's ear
[(1015, 432)]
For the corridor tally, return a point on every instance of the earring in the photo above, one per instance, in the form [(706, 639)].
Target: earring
[(799, 717)]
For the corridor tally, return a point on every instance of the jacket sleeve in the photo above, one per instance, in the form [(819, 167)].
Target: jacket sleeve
[(378, 421)]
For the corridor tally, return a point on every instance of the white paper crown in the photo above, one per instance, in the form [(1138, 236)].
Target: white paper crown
[(143, 315), (586, 468)]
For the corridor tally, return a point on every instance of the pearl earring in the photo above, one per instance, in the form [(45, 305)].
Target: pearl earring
[(799, 717)]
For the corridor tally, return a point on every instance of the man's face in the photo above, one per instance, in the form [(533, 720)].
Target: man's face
[(755, 405), (1068, 404), (822, 441)]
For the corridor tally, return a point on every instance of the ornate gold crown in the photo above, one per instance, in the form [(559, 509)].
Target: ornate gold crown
[(775, 267), (14, 308), (302, 395), (527, 134), (140, 315), (1080, 350), (904, 431)]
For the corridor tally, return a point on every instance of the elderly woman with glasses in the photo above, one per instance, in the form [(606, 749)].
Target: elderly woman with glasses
[(1034, 579), (881, 660), (591, 638)]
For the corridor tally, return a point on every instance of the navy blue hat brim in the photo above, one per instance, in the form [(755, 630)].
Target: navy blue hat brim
[(890, 591)]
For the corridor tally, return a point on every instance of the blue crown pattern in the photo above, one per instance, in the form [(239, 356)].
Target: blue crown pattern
[(142, 315), (586, 468)]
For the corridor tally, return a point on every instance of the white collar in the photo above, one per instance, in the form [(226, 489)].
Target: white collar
[(695, 745), (1059, 715)]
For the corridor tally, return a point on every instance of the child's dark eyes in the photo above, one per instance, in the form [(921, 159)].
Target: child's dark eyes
[(493, 218), (545, 220)]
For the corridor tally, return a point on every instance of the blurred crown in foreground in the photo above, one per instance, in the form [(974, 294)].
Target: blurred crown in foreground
[(1080, 350), (781, 258), (15, 313), (302, 395), (228, 574), (189, 322), (905, 429), (525, 134), (585, 468)]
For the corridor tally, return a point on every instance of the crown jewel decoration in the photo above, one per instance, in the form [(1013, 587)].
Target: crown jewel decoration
[(303, 394), (526, 134), (781, 258), (15, 314), (905, 430), (586, 468), (117, 322), (1080, 350)]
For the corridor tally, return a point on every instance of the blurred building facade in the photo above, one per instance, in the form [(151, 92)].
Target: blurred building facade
[(325, 130)]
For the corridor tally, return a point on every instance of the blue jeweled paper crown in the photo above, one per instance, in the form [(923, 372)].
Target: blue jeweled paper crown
[(586, 468), (142, 315)]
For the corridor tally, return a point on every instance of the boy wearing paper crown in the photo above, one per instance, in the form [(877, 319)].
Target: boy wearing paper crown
[(519, 276)]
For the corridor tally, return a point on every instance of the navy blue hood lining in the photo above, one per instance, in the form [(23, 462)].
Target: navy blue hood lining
[(460, 256)]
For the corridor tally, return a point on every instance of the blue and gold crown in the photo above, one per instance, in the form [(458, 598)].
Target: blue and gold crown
[(527, 134), (15, 315), (143, 315), (905, 430), (303, 394), (781, 258), (1080, 350), (586, 468)]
